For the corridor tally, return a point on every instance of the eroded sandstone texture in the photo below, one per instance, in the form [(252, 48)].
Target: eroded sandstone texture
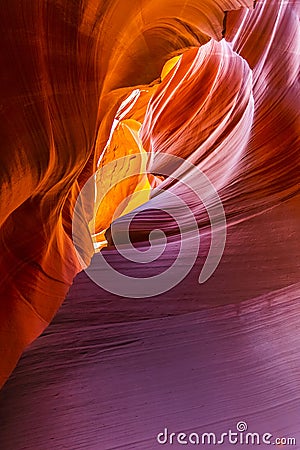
[(229, 105)]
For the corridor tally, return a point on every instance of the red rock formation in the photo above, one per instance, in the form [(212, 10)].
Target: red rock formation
[(67, 68)]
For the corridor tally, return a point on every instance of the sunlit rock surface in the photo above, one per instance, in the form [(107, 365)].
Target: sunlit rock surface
[(65, 69), (78, 81)]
